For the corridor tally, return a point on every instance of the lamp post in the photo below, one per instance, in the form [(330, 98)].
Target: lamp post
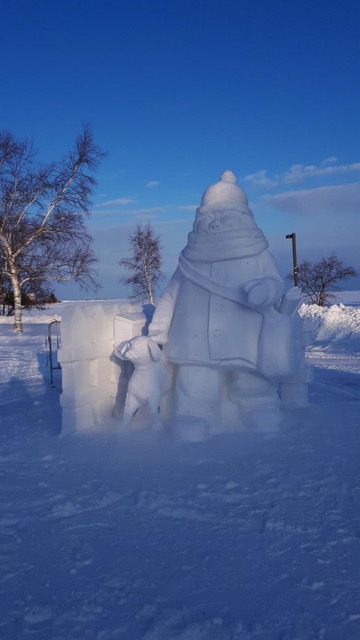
[(296, 269)]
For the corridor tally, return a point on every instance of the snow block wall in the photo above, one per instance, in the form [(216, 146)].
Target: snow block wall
[(94, 382)]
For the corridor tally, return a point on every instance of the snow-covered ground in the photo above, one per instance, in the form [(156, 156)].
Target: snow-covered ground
[(139, 537)]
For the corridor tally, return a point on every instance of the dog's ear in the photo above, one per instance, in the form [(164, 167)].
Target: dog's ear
[(155, 351)]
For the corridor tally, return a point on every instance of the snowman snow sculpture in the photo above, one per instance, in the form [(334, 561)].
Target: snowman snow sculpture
[(224, 321)]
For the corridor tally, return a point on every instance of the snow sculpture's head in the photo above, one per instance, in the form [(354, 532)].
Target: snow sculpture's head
[(140, 350), (224, 206)]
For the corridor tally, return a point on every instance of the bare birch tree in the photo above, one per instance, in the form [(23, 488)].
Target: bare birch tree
[(144, 265), (35, 295), (318, 279), (43, 208)]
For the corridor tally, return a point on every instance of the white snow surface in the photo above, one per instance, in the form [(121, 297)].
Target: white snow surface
[(136, 536)]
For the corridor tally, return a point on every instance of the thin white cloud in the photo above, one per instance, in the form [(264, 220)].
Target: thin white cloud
[(103, 212), (152, 184), (187, 207), (339, 199), (300, 172), (329, 160), (145, 212), (116, 201), (260, 179)]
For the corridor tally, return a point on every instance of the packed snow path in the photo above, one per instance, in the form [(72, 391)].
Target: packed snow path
[(246, 536)]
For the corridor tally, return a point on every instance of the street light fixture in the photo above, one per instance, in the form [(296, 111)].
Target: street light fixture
[(295, 267)]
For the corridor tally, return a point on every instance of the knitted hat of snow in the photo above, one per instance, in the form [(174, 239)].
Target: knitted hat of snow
[(221, 197), (224, 192), (224, 226)]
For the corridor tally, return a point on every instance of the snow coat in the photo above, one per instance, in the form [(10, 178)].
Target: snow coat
[(204, 315)]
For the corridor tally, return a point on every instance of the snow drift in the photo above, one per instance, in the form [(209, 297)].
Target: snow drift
[(336, 323)]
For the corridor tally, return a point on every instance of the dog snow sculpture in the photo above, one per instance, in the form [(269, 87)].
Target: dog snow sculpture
[(149, 380)]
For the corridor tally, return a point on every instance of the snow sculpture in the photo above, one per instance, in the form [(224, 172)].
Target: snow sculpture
[(226, 325), (93, 383), (149, 381), (230, 337)]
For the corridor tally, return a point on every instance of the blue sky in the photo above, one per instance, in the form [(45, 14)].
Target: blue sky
[(178, 91)]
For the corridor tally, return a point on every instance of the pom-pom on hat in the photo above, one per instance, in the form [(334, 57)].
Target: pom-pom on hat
[(226, 191)]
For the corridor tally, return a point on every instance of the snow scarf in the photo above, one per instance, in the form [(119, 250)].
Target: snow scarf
[(224, 245)]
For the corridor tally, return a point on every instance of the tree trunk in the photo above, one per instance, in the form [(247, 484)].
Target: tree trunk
[(148, 284), (17, 299), (322, 298)]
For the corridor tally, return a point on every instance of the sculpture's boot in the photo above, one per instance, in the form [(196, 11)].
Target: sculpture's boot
[(258, 398), (197, 401), (191, 428)]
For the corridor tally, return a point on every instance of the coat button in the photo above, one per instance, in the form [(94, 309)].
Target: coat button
[(218, 306), (217, 333)]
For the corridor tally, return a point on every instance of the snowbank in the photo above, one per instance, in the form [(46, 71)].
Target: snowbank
[(54, 311), (32, 319), (333, 324)]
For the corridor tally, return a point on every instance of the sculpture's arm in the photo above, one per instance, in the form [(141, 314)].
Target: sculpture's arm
[(163, 315), (268, 289), (263, 292), (291, 301)]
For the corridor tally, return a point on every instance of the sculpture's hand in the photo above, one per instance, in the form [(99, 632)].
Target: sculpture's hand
[(262, 292), (159, 336), (294, 293), (291, 301)]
